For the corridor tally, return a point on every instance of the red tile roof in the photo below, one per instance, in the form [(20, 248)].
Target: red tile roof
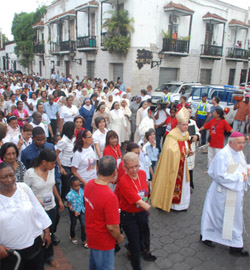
[(214, 16), (90, 3), (72, 11), (172, 5), (38, 24), (238, 22)]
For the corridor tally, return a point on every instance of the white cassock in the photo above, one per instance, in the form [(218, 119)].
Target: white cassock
[(185, 194), (118, 123), (222, 217)]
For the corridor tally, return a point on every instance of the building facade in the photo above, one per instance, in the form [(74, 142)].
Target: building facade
[(8, 58), (207, 41)]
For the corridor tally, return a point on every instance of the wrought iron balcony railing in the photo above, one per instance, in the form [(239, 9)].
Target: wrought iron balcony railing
[(86, 42), (211, 50), (175, 45), (237, 53)]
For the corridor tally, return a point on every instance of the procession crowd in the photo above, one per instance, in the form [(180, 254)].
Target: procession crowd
[(108, 157)]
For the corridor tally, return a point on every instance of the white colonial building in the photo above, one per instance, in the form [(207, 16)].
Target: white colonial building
[(206, 41), (8, 58)]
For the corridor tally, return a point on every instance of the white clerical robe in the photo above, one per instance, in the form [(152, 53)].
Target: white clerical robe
[(223, 213), (185, 194)]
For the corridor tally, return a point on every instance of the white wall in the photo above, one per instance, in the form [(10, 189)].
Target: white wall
[(150, 19)]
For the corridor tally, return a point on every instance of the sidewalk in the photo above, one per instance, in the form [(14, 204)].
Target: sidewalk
[(61, 258)]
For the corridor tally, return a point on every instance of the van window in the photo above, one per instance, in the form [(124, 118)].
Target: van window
[(171, 87)]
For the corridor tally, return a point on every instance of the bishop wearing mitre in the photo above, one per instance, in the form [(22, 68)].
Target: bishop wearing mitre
[(171, 181)]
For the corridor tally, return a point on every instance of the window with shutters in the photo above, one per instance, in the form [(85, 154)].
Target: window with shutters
[(91, 69), (205, 76), (231, 76), (117, 72)]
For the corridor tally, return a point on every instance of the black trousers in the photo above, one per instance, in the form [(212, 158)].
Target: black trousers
[(159, 133), (65, 182), (191, 178), (200, 123), (73, 220), (53, 123), (49, 252), (135, 226), (31, 257)]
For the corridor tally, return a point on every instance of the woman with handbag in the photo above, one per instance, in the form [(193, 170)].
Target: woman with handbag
[(217, 126)]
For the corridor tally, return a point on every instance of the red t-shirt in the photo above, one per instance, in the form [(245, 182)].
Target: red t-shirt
[(113, 151), (171, 123), (179, 106), (217, 133), (129, 192), (120, 174), (101, 209), (76, 131)]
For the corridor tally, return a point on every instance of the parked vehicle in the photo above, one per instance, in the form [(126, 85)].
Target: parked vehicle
[(175, 88), (227, 95)]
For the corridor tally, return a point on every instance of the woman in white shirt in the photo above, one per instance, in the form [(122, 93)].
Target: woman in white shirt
[(140, 115), (64, 152), (99, 136), (117, 121), (68, 112), (19, 204), (41, 179), (33, 101), (84, 158)]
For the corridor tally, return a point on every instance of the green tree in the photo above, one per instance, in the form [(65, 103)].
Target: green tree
[(24, 34), (119, 28), (4, 38)]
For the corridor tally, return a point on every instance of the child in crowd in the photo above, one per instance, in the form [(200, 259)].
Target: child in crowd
[(150, 148), (76, 210), (57, 138), (171, 121)]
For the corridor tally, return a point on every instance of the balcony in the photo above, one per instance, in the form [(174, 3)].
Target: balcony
[(54, 48), (237, 54), (175, 46), (86, 43), (211, 51), (62, 47), (39, 48)]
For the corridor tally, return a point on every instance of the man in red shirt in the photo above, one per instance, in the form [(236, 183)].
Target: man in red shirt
[(134, 207), (102, 217), (242, 108)]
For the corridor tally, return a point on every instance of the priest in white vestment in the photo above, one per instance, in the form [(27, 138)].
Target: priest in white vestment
[(222, 217)]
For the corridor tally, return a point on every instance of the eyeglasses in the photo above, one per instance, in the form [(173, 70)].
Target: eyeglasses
[(89, 137), (133, 167)]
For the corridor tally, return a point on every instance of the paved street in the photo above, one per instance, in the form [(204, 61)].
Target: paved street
[(174, 237)]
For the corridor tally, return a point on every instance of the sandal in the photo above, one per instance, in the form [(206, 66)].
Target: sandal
[(85, 245), (74, 241)]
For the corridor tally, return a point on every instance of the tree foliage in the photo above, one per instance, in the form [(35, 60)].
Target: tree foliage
[(4, 38), (24, 33), (119, 28)]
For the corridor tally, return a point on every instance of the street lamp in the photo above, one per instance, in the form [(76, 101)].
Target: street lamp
[(158, 63)]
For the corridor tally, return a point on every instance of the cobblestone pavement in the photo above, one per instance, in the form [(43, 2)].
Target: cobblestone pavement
[(174, 237)]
